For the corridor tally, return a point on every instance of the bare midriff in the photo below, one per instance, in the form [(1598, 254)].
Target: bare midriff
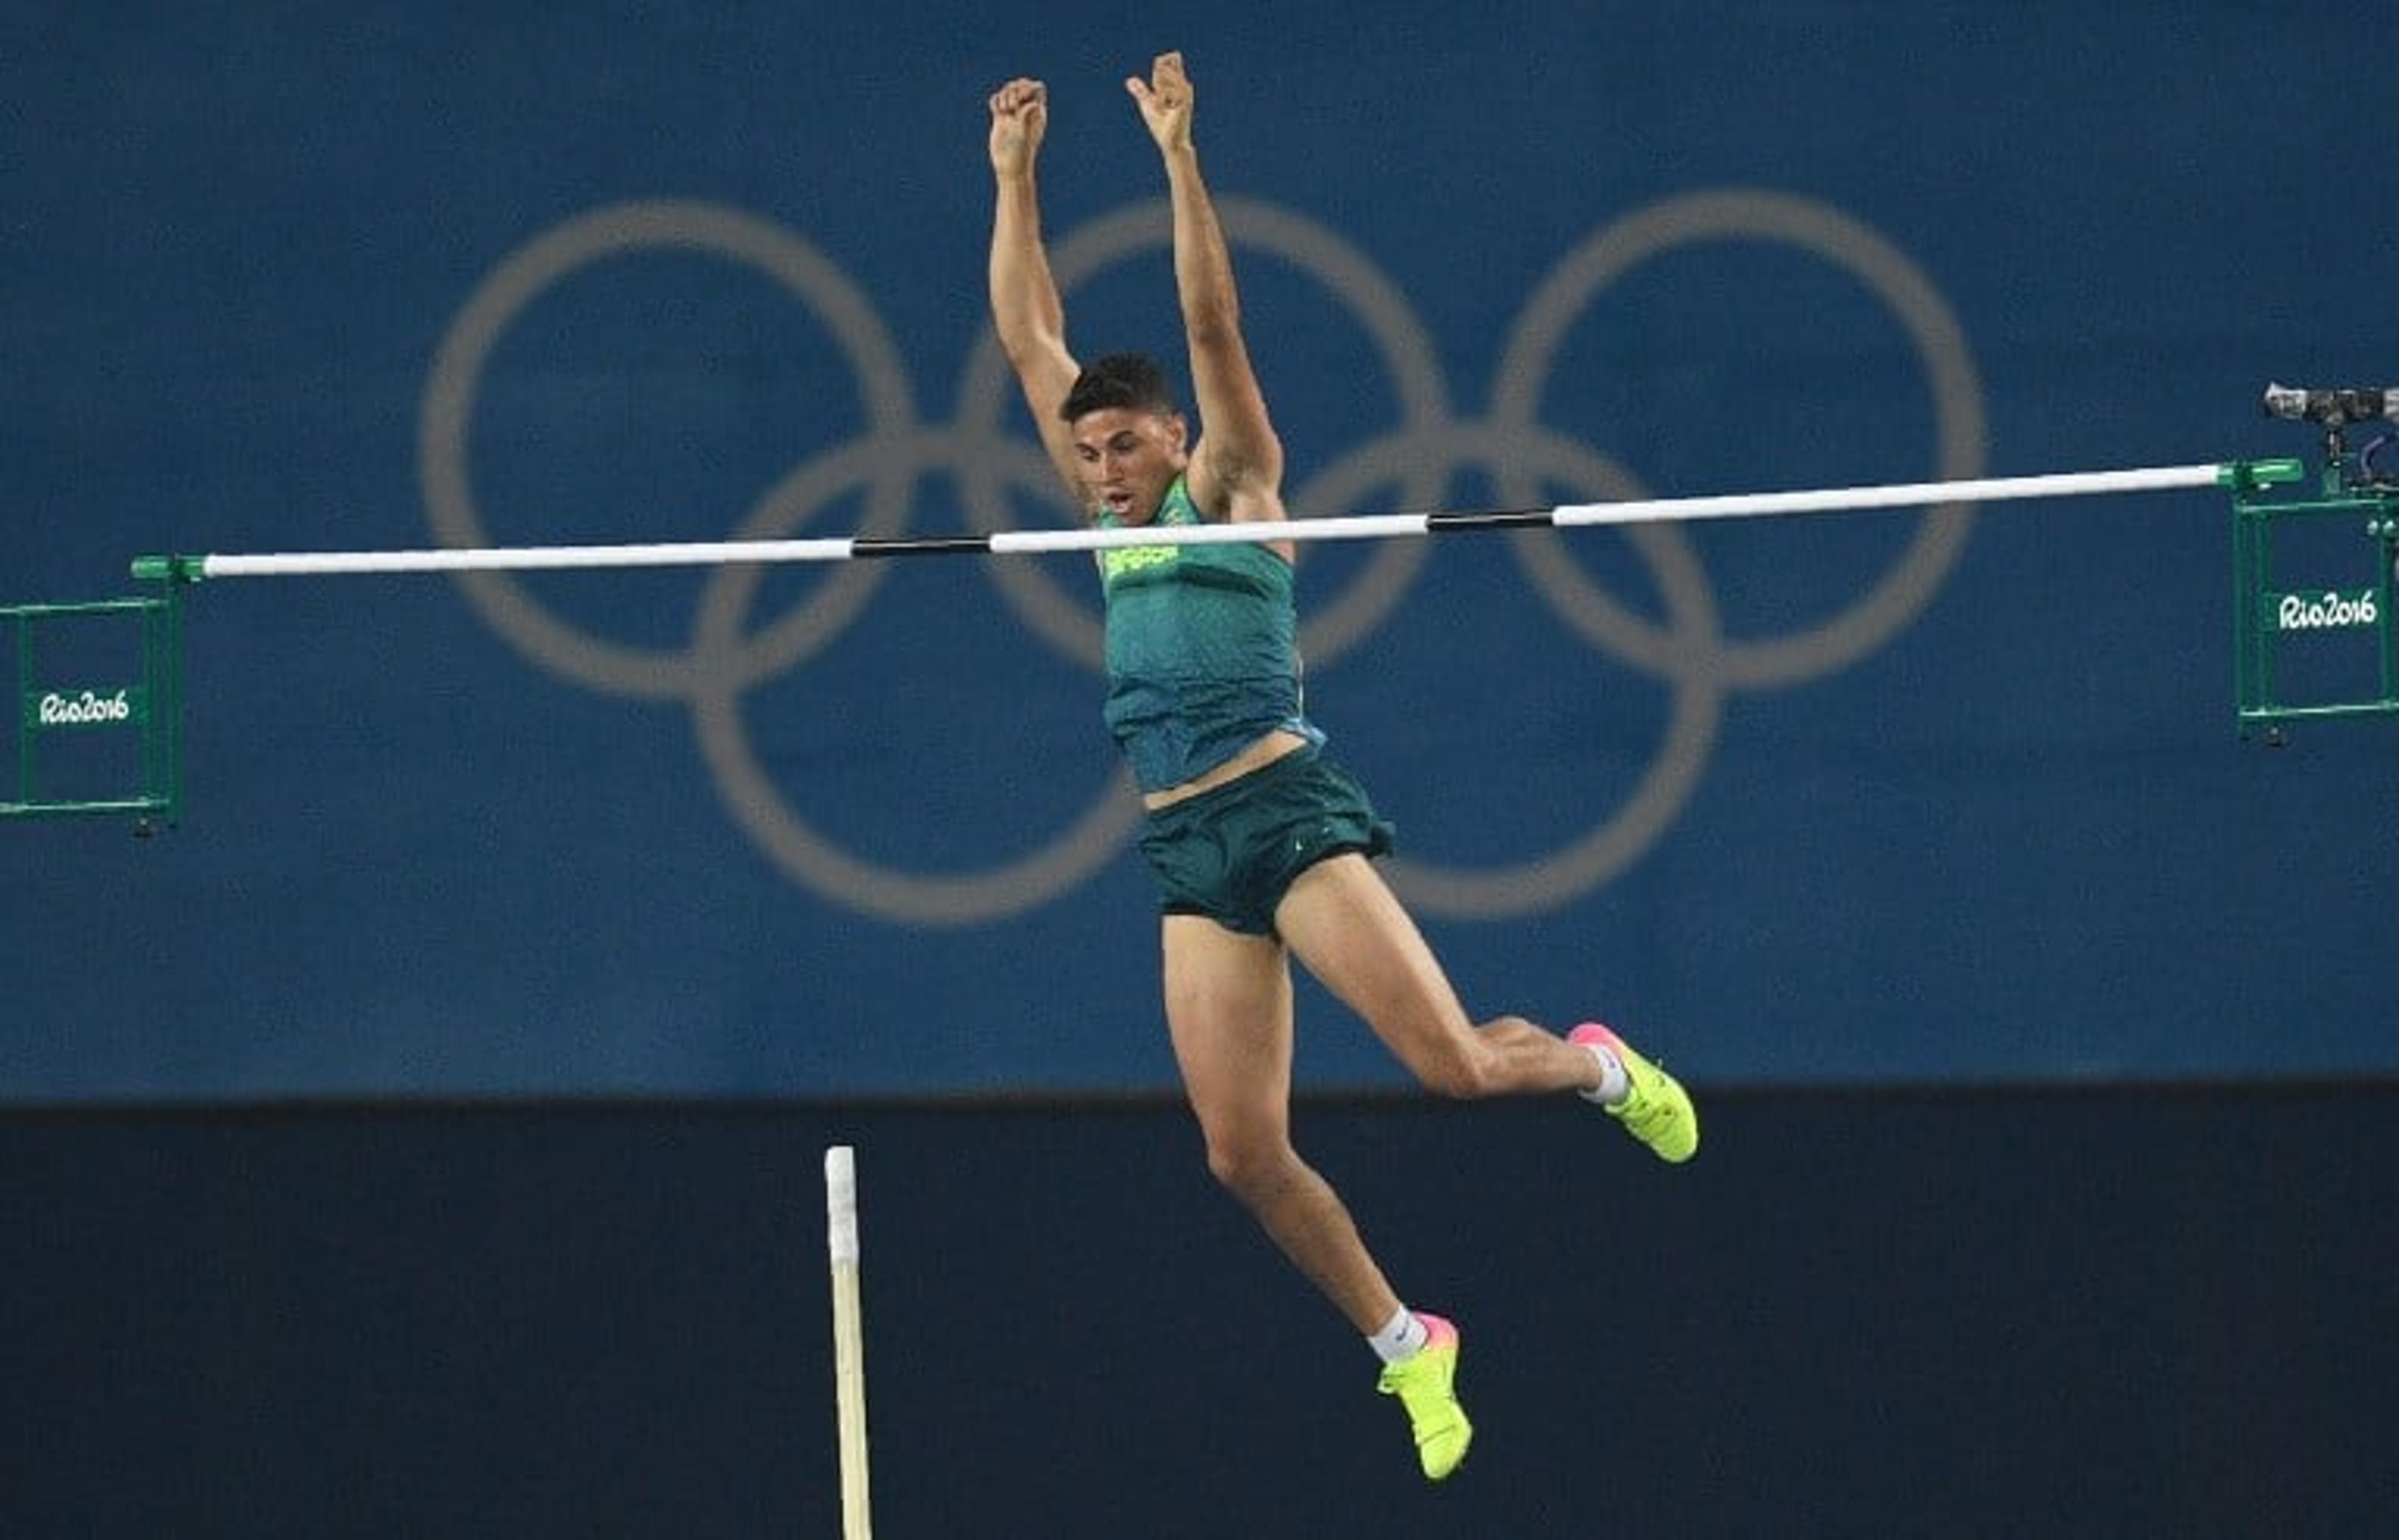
[(1257, 756)]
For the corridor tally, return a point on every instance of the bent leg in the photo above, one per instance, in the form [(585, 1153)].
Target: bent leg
[(1229, 1009), (1342, 921)]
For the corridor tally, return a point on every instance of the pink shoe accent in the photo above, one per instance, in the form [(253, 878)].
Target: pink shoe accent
[(1439, 1332), (1591, 1032)]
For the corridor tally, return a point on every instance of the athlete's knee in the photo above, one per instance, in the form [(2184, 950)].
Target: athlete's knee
[(1251, 1164)]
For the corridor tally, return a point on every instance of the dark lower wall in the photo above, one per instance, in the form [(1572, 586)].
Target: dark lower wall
[(2103, 1313)]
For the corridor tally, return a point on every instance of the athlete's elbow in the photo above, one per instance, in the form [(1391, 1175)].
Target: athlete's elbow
[(1022, 340), (1213, 322)]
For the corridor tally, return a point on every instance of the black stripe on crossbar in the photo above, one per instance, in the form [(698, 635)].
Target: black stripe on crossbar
[(958, 545), (1488, 518), (919, 545)]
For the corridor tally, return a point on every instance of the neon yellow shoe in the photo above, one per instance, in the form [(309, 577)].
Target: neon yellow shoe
[(1657, 1111), (1424, 1386)]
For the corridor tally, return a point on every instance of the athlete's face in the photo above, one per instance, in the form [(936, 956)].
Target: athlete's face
[(1129, 457)]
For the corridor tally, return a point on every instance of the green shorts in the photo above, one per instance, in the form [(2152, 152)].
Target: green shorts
[(1233, 851)]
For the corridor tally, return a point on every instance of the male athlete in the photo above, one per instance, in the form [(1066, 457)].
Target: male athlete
[(1260, 845)]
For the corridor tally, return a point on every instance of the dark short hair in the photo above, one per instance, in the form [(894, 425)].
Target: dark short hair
[(1133, 380)]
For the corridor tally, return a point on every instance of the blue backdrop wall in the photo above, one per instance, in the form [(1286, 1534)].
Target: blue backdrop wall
[(1916, 796)]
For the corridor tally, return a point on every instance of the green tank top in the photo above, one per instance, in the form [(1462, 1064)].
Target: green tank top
[(1202, 650)]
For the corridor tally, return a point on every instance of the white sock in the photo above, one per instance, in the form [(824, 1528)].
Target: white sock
[(1401, 1339), (1613, 1082)]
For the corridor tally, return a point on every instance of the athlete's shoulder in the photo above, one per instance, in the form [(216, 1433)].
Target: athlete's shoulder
[(1177, 506)]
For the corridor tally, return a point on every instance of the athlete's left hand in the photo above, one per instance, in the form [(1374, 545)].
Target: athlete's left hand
[(1165, 101)]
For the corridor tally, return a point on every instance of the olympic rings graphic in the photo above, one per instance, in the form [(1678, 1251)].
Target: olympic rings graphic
[(1422, 455)]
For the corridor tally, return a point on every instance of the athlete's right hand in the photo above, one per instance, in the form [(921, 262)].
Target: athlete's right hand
[(1019, 110)]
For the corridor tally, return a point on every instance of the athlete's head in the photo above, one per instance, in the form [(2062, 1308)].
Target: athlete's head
[(1130, 440)]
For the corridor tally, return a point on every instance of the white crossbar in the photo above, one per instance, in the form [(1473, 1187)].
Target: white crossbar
[(1044, 541)]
